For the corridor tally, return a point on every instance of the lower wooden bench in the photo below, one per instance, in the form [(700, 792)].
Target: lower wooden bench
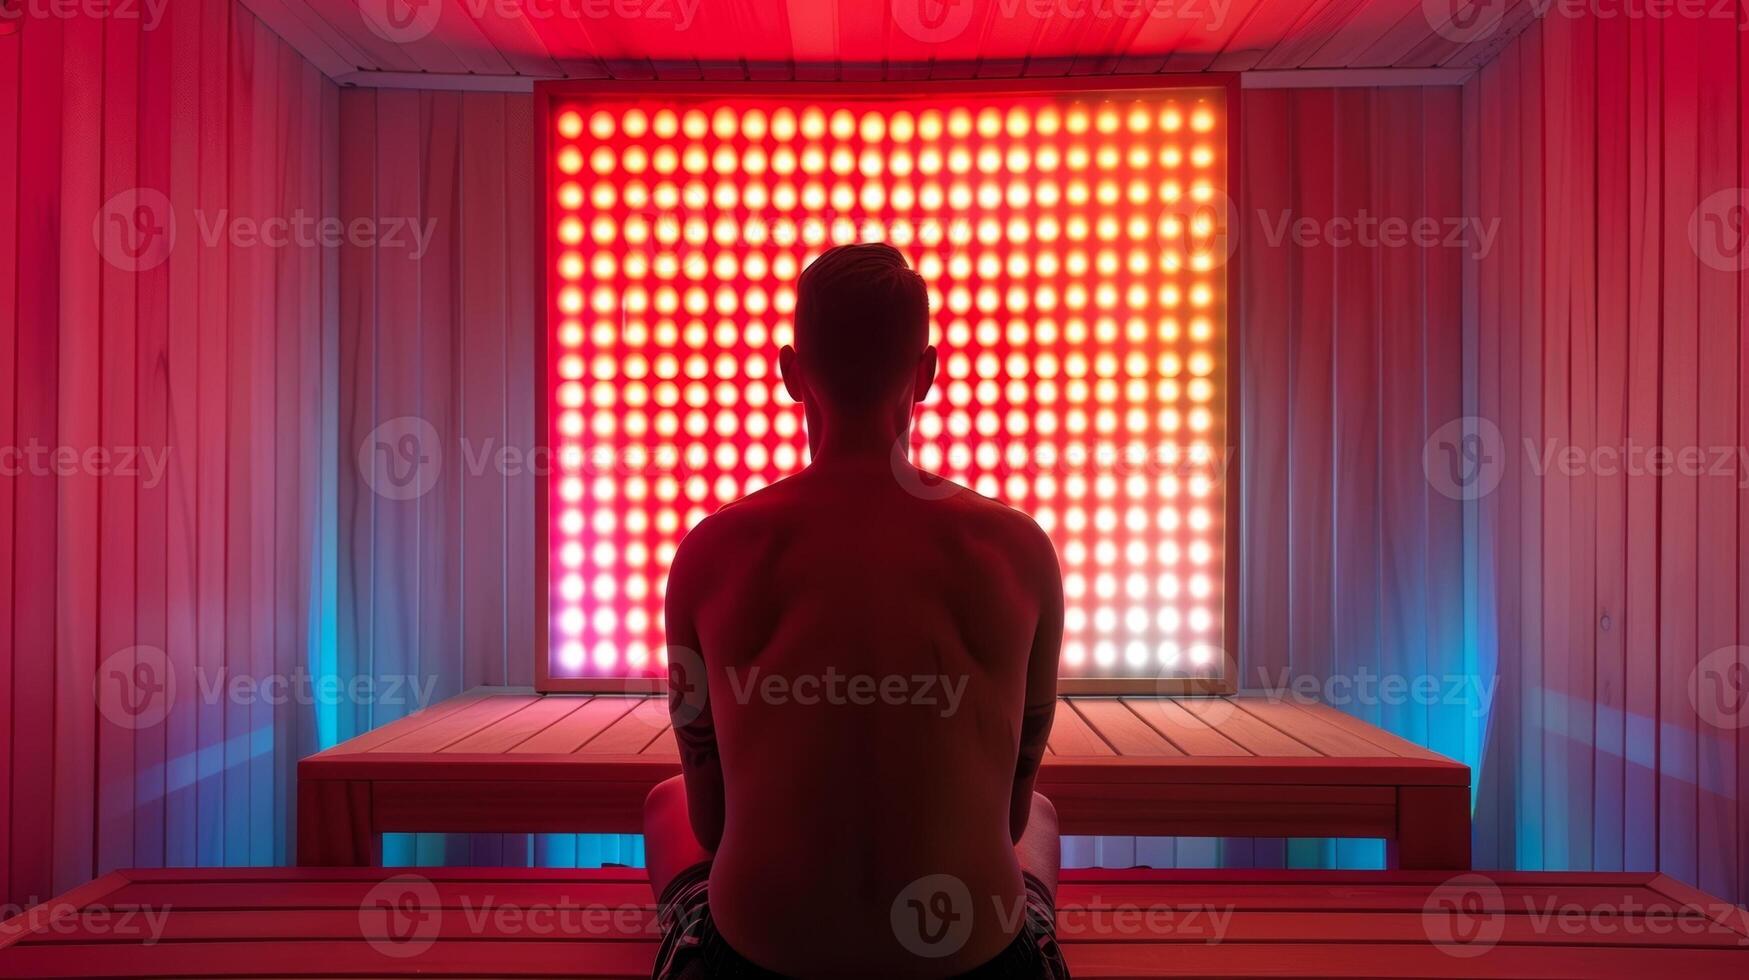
[(512, 761), (304, 922)]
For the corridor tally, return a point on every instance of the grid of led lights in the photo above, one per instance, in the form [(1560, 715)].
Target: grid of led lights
[(1074, 246)]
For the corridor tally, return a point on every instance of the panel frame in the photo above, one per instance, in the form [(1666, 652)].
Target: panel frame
[(546, 93)]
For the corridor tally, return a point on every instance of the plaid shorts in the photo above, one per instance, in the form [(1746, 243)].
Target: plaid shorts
[(692, 949)]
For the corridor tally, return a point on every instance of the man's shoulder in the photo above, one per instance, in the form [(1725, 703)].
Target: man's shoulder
[(732, 522), (1011, 528)]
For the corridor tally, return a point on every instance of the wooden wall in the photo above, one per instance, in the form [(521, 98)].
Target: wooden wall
[(437, 586), (1352, 356), (1609, 316), (1351, 360), (266, 549), (212, 360)]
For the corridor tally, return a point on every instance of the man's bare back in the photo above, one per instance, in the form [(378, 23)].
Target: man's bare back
[(867, 655), (862, 668)]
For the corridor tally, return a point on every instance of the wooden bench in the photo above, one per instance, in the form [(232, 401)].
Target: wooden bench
[(303, 922), (496, 760)]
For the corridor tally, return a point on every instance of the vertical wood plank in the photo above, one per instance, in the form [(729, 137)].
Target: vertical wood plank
[(485, 380), (1609, 772), (1716, 395), (1268, 308), (1557, 641), (1403, 543), (1573, 89), (117, 506), (357, 356), (213, 388), (289, 486), (1679, 430), (1453, 729), (146, 793), (1645, 210), (242, 326), (1528, 359), (34, 666), (78, 413), (1495, 605), (182, 429), (1357, 416), (442, 394), (10, 57), (1311, 536), (394, 390), (520, 348), (266, 183), (1741, 894)]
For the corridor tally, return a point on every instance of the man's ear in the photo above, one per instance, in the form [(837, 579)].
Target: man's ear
[(925, 374), (790, 369)]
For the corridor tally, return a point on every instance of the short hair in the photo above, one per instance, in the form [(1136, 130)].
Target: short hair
[(862, 320)]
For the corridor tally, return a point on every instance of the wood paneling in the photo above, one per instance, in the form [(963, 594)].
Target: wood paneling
[(829, 40), (262, 372), (1609, 331), (1350, 363), (199, 375), (438, 328)]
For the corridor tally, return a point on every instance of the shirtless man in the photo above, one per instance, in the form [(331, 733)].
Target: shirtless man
[(879, 648)]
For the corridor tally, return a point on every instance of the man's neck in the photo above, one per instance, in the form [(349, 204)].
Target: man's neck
[(855, 442)]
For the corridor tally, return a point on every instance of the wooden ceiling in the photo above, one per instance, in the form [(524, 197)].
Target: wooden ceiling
[(508, 43)]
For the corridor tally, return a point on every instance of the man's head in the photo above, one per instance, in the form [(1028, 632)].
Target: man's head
[(862, 334)]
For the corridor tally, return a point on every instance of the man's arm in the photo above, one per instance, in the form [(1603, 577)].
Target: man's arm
[(1041, 676), (688, 697)]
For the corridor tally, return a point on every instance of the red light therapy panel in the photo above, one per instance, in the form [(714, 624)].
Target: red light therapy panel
[(1074, 245)]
